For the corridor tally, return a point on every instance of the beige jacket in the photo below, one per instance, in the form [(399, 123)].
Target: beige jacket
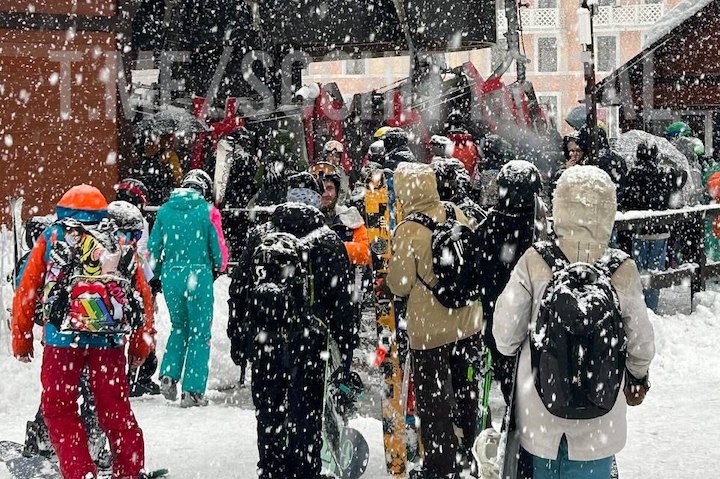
[(584, 210), (429, 324)]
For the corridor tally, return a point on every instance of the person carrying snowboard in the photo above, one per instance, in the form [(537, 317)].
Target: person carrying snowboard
[(289, 296), (79, 262), (586, 309), (184, 252), (444, 343)]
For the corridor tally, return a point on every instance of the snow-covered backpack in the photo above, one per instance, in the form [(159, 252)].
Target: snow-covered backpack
[(281, 290), (454, 259), (578, 346), (93, 273)]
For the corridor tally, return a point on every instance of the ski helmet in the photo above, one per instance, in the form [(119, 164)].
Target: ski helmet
[(133, 191), (395, 138), (381, 132), (677, 129), (126, 216), (441, 146), (453, 181), (377, 150), (333, 146), (199, 180), (35, 226), (518, 183)]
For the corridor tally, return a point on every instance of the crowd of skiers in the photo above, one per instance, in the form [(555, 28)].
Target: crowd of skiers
[(299, 243)]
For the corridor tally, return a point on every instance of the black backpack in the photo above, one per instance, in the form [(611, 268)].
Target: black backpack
[(454, 259), (281, 294), (578, 345)]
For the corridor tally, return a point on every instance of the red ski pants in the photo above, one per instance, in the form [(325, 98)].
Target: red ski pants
[(60, 376)]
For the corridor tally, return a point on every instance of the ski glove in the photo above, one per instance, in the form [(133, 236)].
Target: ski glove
[(635, 389)]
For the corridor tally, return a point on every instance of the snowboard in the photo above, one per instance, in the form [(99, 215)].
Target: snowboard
[(509, 448), (345, 452), (379, 221), (21, 467), (40, 467)]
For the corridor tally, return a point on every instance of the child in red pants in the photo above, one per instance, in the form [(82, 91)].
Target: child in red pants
[(76, 271)]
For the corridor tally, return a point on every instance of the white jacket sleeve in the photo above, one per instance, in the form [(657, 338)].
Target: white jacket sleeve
[(513, 310), (639, 330)]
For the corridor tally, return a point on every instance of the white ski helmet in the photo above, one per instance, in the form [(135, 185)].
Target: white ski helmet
[(126, 216), (199, 180)]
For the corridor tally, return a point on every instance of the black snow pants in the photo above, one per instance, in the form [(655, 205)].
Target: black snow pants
[(446, 395), (287, 389)]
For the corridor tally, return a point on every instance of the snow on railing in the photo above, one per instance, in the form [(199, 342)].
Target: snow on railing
[(639, 14), (532, 19)]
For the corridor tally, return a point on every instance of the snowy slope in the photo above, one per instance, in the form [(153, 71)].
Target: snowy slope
[(674, 434)]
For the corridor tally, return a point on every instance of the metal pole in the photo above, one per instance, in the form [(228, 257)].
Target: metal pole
[(588, 57), (513, 36)]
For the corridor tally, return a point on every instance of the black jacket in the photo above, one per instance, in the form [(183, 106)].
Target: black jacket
[(332, 280), (650, 187), (503, 238)]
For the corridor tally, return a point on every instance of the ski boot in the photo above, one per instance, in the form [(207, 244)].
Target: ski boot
[(168, 388), (99, 449), (37, 441), (193, 400), (141, 388)]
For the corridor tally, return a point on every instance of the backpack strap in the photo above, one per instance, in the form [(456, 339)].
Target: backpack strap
[(552, 254), (423, 220), (612, 260), (449, 211), (428, 222)]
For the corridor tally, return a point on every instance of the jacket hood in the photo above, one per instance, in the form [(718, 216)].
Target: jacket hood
[(348, 216), (297, 219), (185, 199), (83, 203), (416, 187), (584, 207)]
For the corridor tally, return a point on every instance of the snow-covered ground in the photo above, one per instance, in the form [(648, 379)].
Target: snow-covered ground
[(675, 433)]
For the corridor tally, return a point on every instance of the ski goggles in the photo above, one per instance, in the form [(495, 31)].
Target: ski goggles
[(132, 236)]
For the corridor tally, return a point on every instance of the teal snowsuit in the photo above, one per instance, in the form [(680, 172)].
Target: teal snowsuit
[(712, 245), (184, 250)]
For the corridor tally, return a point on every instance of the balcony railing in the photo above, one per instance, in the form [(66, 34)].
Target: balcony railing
[(642, 14), (533, 19)]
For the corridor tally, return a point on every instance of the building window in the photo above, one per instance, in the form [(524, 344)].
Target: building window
[(355, 67), (550, 103), (547, 55), (547, 4), (606, 52)]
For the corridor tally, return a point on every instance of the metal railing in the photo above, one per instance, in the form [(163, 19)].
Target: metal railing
[(639, 14), (533, 19), (689, 223)]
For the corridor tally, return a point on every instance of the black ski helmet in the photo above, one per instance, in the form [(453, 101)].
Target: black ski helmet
[(395, 138), (518, 183), (453, 182), (133, 191)]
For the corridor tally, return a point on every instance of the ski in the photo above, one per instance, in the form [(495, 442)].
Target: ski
[(16, 205)]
